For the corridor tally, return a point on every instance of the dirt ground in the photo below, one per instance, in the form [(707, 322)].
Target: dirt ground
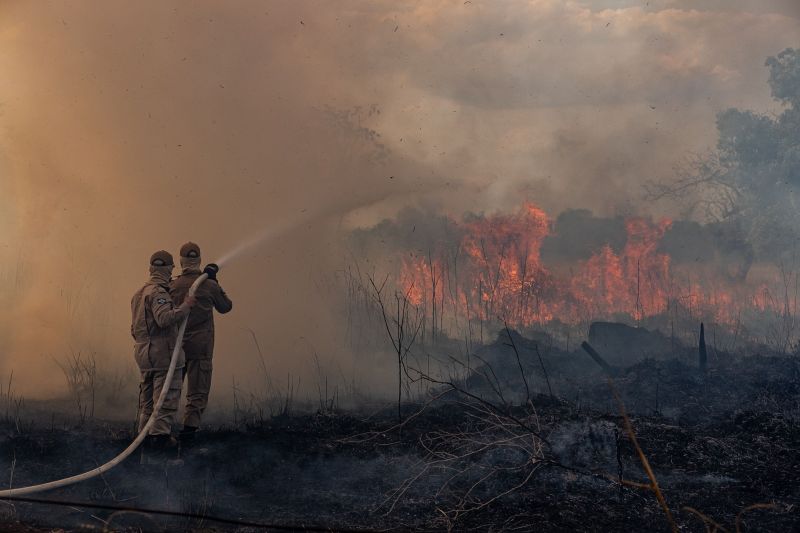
[(717, 444)]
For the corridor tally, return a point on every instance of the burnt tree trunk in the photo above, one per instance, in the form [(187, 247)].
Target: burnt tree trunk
[(702, 353)]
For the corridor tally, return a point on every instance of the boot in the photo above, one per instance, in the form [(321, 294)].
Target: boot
[(186, 437), (187, 441), (150, 450), (160, 450)]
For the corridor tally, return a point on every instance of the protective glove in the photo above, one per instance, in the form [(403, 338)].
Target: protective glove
[(211, 269)]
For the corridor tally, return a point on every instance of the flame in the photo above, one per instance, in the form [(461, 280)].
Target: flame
[(496, 272)]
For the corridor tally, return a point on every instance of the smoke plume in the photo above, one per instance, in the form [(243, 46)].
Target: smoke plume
[(131, 127)]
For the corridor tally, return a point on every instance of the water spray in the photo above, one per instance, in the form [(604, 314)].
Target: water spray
[(262, 236)]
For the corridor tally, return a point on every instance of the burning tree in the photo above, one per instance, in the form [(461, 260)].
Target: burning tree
[(501, 275), (463, 277)]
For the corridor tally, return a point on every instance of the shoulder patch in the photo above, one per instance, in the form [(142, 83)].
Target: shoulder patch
[(161, 301)]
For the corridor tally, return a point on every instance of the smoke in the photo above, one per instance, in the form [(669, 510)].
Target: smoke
[(127, 128)]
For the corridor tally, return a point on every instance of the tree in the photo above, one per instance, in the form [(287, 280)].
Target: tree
[(402, 326), (752, 179)]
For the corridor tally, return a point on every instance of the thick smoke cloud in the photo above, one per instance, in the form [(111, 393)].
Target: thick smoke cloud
[(551, 100), (128, 127)]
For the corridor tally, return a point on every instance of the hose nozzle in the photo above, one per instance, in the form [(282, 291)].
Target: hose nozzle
[(211, 270)]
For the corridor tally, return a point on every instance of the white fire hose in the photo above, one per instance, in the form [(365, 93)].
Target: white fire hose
[(139, 438)]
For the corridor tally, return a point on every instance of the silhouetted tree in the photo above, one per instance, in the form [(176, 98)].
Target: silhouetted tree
[(752, 179)]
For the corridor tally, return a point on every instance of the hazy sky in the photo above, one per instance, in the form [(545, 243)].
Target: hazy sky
[(126, 127)]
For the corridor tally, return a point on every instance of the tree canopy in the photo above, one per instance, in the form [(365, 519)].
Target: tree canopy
[(752, 180)]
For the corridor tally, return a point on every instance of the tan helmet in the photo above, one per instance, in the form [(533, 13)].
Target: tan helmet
[(190, 249), (161, 258)]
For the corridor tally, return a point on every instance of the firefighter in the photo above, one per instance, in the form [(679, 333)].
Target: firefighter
[(154, 327), (198, 341)]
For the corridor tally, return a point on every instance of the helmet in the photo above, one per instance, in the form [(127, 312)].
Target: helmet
[(161, 258), (190, 249)]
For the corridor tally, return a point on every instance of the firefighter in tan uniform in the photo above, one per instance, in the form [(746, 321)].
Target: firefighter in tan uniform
[(154, 327), (198, 341)]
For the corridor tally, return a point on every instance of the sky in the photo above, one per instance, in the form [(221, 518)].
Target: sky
[(130, 127)]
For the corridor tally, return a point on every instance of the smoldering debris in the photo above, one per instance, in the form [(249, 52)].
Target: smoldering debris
[(586, 443), (470, 457)]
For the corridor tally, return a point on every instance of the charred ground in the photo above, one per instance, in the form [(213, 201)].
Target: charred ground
[(717, 443)]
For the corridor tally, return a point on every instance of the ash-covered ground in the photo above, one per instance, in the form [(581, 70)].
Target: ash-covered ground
[(478, 454)]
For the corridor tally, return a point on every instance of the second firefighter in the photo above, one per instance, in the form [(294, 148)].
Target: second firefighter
[(198, 341)]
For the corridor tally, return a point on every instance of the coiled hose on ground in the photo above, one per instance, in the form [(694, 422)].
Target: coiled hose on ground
[(139, 438)]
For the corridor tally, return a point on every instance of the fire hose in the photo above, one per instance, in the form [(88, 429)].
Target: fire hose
[(139, 438)]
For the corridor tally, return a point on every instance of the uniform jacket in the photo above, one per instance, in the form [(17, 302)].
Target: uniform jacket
[(198, 341), (155, 322)]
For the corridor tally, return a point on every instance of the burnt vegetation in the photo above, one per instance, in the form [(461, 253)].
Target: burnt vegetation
[(654, 385), (523, 435)]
